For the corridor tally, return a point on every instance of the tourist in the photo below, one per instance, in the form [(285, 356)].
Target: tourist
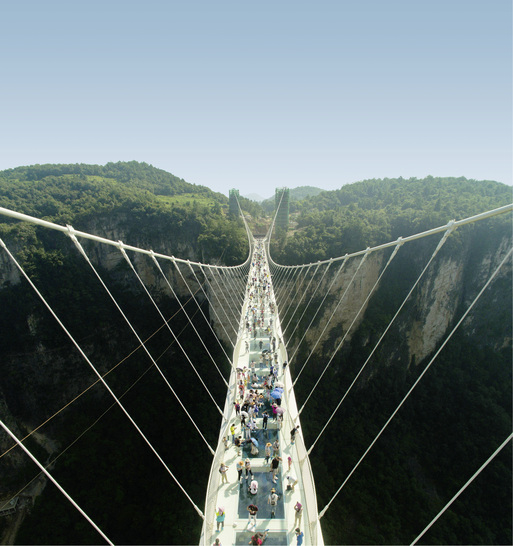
[(292, 481), (247, 465), (252, 514), (298, 508), (223, 469), (253, 487), (265, 418), (272, 500), (240, 468), (220, 515), (267, 452), (293, 434), (275, 464)]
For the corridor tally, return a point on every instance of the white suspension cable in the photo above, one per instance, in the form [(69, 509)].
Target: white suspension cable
[(201, 311), (292, 293), (282, 282), (335, 277), (362, 307), (222, 291), (55, 482), (392, 256), (442, 241), (143, 345), (210, 303), (22, 271), (317, 286), (166, 323), (188, 318), (229, 283), (469, 481), (216, 292), (488, 282), (331, 317), (303, 295), (409, 238)]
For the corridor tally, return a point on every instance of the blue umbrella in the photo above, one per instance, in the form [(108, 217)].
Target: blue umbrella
[(277, 393), (255, 442)]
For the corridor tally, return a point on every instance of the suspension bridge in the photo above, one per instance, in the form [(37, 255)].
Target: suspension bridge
[(260, 436)]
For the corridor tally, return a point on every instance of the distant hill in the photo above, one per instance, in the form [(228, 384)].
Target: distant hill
[(296, 194), (140, 200), (372, 212), (254, 197)]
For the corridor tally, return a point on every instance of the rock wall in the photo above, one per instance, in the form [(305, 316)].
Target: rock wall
[(444, 292)]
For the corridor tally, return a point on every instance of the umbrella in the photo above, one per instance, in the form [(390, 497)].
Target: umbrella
[(277, 392), (255, 442), (279, 384), (244, 413), (279, 409)]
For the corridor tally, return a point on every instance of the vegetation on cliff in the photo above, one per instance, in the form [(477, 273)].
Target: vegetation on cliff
[(143, 202), (461, 412), (377, 211)]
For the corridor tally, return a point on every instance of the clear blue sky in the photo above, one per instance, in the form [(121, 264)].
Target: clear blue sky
[(258, 95)]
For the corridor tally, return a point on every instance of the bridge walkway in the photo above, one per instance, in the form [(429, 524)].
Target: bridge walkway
[(253, 357)]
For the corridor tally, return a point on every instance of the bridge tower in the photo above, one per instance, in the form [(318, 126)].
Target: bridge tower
[(281, 205), (233, 203)]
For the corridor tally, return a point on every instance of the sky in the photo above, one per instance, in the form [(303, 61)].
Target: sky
[(260, 95)]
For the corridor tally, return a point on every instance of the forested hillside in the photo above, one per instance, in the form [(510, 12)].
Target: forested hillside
[(295, 195), (142, 201), (41, 371), (377, 211), (462, 410)]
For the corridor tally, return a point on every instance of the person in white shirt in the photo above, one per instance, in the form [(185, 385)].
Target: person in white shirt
[(253, 487), (291, 481)]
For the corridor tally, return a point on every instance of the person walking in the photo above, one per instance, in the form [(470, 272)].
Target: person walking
[(240, 468), (280, 421), (238, 444), (220, 515), (252, 514), (298, 508), (273, 501), (247, 465), (299, 537), (293, 434), (275, 465), (291, 482), (267, 452), (265, 418), (232, 432), (223, 470), (253, 487)]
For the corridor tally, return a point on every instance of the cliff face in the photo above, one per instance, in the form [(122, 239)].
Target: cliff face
[(443, 293), (42, 374), (41, 371)]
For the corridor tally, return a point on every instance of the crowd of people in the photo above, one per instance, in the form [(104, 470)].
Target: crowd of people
[(259, 396)]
